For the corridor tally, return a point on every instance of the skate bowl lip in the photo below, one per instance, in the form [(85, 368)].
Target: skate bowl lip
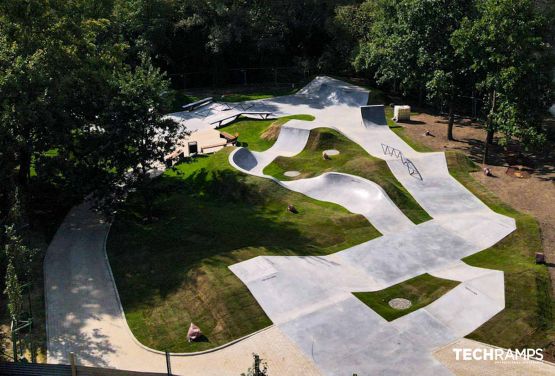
[(373, 114)]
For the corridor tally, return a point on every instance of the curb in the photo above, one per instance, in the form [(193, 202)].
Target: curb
[(149, 349)]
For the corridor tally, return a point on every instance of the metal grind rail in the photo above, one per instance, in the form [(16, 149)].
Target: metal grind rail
[(413, 171)]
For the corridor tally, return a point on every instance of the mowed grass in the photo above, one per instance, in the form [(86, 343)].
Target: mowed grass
[(527, 320), (251, 131), (352, 159), (421, 291), (175, 270)]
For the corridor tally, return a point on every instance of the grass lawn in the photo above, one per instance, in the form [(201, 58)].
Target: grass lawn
[(175, 270), (527, 320), (420, 290), (252, 133), (352, 160)]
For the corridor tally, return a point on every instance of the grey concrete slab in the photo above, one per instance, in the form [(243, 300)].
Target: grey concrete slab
[(312, 302), (310, 298), (365, 198)]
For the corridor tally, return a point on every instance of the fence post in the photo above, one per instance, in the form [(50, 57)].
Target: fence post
[(168, 363), (72, 363)]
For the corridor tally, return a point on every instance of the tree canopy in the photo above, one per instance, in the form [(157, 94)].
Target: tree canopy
[(506, 43), (499, 49), (84, 84)]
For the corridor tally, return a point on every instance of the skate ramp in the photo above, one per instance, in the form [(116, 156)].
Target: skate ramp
[(244, 159), (357, 195), (291, 141), (373, 116), (327, 91)]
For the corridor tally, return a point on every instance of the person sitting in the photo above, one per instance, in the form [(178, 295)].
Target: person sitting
[(193, 333)]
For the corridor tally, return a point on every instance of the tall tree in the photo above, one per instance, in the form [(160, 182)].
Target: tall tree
[(130, 138), (70, 84), (507, 44), (409, 45)]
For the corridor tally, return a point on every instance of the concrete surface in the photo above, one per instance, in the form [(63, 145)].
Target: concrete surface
[(519, 367), (365, 197), (309, 299), (84, 315)]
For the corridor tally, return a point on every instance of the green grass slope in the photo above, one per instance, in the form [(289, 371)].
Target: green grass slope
[(351, 160), (260, 135), (527, 320), (421, 291), (175, 270)]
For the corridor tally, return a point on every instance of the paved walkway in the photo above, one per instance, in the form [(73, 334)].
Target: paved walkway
[(84, 315), (519, 367), (308, 298)]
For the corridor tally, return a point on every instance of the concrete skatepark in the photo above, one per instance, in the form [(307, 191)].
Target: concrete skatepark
[(309, 299)]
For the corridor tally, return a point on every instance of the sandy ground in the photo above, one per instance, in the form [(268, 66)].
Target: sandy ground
[(534, 195)]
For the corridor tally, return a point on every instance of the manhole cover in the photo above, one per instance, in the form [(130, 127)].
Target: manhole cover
[(400, 303), (291, 174), (331, 152)]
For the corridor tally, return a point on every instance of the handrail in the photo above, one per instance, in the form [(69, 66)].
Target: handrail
[(413, 171)]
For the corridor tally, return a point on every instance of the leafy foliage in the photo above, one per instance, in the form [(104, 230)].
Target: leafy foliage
[(507, 44), (445, 48)]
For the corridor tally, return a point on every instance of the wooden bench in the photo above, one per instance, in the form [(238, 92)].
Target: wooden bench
[(193, 106), (206, 148), (262, 114), (230, 138)]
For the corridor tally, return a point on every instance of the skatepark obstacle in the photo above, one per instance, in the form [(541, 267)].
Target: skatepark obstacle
[(193, 106), (413, 171)]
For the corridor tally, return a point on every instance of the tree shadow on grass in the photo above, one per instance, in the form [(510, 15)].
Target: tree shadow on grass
[(204, 218)]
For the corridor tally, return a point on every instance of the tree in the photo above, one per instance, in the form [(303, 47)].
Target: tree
[(19, 267), (14, 292), (130, 137), (506, 42), (409, 45), (69, 84), (18, 255), (42, 57)]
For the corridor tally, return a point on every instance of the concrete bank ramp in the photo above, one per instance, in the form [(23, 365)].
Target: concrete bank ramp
[(331, 92), (357, 195), (373, 116), (291, 141)]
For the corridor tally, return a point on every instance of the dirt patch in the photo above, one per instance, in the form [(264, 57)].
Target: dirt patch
[(525, 181), (519, 172), (272, 133)]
